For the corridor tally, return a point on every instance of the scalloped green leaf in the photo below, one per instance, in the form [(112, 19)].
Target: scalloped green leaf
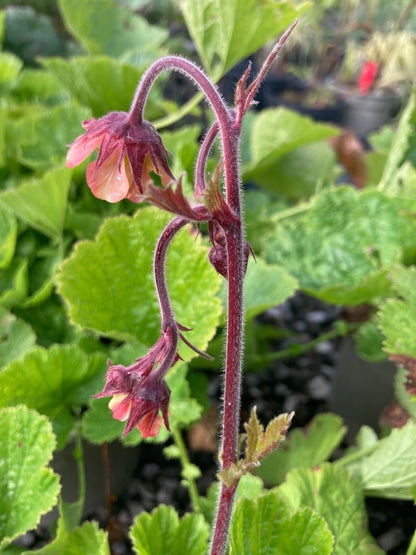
[(108, 283), (299, 173), (88, 539), (398, 315), (162, 532), (338, 498), (10, 66), (260, 209), (278, 131), (41, 203), (28, 488), (266, 285), (342, 248), (16, 337), (37, 85), (42, 138), (304, 448), (389, 471), (265, 524), (227, 32), (369, 341), (102, 27), (103, 84), (8, 236), (53, 382)]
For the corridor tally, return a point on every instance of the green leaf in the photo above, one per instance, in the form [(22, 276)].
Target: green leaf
[(266, 525), (108, 283), (399, 145), (398, 315), (87, 538), (304, 448), (338, 498), (102, 27), (36, 85), (101, 83), (49, 321), (33, 134), (16, 337), (41, 276), (8, 236), (298, 174), (260, 208), (41, 203), (262, 442), (369, 341), (54, 382), (183, 145), (227, 32), (10, 66), (27, 488), (266, 285), (2, 21), (163, 532), (389, 471), (278, 131), (341, 249), (14, 283)]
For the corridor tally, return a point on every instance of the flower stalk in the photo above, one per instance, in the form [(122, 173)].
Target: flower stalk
[(130, 150)]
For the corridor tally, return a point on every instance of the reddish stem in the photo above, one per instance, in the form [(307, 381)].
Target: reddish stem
[(229, 123), (201, 162), (230, 136), (159, 267)]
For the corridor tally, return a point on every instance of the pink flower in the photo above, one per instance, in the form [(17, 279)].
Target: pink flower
[(139, 391), (128, 152), (367, 77), (137, 397), (142, 412)]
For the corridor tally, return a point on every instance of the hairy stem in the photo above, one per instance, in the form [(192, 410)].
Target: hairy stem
[(159, 266), (201, 161)]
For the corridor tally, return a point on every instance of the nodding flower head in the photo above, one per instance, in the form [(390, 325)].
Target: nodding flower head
[(128, 153), (137, 397), (141, 406)]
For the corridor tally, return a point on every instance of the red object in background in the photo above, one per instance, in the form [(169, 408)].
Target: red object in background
[(367, 77)]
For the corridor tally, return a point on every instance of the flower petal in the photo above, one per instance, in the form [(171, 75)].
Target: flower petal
[(150, 425), (81, 148), (120, 410), (110, 181)]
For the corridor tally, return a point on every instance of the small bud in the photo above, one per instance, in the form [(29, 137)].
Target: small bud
[(218, 258)]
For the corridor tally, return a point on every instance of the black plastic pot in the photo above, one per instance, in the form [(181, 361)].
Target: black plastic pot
[(361, 389), (364, 114)]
